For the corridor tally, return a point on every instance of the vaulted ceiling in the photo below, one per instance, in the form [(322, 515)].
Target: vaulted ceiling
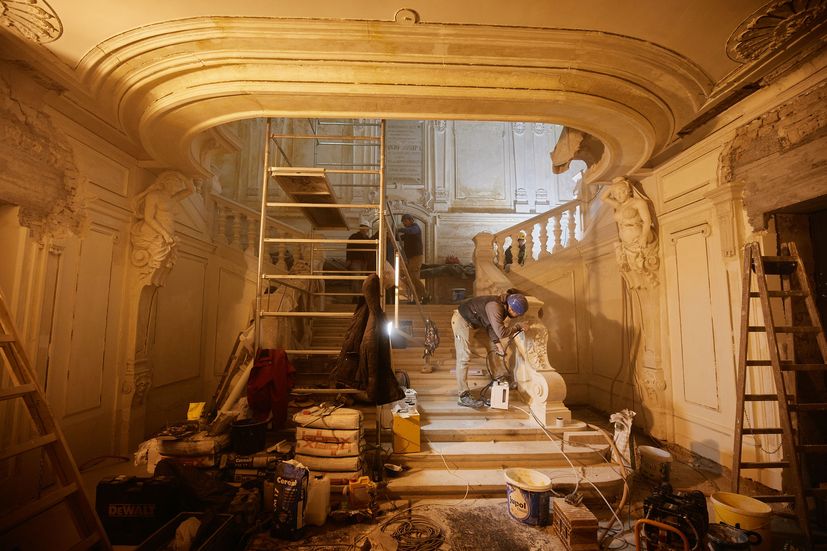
[(636, 75)]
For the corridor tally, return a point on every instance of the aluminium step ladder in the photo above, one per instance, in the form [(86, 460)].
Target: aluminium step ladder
[(797, 453), (68, 487)]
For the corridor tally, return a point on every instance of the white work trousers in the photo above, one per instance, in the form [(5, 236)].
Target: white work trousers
[(462, 333)]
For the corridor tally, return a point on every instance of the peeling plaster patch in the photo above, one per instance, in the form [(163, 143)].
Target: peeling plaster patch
[(785, 148), (37, 166)]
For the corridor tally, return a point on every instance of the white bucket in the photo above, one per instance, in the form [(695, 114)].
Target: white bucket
[(653, 463), (528, 495)]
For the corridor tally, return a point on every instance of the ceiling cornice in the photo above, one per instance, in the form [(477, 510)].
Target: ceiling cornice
[(165, 83)]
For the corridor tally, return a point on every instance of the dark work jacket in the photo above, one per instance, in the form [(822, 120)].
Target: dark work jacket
[(473, 311), (364, 361)]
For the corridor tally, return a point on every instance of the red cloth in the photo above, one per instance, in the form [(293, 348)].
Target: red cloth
[(268, 389)]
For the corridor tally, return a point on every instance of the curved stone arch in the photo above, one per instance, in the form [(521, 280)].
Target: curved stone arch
[(163, 83)]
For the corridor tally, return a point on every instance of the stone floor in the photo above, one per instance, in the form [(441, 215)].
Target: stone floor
[(485, 524)]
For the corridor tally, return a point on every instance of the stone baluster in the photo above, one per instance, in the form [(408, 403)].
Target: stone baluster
[(557, 231), (529, 245), (252, 235), (218, 224), (499, 251), (571, 220), (544, 240), (236, 240)]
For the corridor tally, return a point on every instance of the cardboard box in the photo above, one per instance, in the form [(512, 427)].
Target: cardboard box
[(575, 525), (406, 437)]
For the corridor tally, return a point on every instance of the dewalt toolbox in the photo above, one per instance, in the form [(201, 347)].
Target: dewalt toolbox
[(131, 508)]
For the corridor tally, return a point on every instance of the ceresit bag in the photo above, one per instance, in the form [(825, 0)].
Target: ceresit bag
[(289, 500)]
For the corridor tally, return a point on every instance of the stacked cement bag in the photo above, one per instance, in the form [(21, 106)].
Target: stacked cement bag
[(328, 442)]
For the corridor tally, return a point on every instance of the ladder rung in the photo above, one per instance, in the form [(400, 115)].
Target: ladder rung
[(768, 430), (34, 508), (314, 352), (319, 240), (761, 397), (16, 392), (812, 448), (785, 329), (756, 294), (765, 464), (779, 265), (779, 498), (306, 314), (307, 276), (6, 338), (812, 406), (27, 446), (758, 362), (816, 492), (785, 366)]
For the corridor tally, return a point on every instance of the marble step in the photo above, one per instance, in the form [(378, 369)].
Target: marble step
[(492, 429), (427, 482), (503, 454)]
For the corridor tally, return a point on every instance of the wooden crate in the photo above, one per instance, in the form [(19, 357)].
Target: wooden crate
[(575, 525)]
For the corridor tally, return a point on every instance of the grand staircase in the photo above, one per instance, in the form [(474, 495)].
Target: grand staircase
[(465, 451)]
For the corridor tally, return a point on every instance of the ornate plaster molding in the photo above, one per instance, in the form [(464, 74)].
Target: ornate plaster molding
[(769, 29), (308, 68), (34, 20)]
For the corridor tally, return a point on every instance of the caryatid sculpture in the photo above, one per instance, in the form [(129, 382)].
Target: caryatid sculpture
[(153, 235), (637, 252)]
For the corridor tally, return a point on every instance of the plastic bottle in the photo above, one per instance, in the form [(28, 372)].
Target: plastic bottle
[(318, 500)]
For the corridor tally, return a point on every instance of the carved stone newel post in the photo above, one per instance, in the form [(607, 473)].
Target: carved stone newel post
[(152, 256)]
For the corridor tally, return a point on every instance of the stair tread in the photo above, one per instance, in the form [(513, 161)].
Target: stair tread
[(440, 481), (507, 447)]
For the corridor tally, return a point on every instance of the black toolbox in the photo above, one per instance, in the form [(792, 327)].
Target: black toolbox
[(131, 508)]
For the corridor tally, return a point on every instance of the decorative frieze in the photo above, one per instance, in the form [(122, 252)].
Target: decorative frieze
[(769, 29), (35, 20)]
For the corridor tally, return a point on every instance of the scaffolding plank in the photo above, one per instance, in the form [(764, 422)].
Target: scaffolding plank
[(310, 185)]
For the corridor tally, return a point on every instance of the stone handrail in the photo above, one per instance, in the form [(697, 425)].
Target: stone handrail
[(544, 388), (237, 225), (564, 221)]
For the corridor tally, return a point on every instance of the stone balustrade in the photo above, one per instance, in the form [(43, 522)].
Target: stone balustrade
[(534, 375), (238, 225), (546, 234)]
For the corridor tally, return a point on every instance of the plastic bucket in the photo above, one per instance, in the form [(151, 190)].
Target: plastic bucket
[(527, 491), (653, 463), (458, 294), (743, 512), (248, 436)]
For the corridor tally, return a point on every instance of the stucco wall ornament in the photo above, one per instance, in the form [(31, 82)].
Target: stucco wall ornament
[(768, 29), (32, 19), (153, 234), (637, 251)]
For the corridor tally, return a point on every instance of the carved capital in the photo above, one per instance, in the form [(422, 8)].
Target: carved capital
[(729, 205)]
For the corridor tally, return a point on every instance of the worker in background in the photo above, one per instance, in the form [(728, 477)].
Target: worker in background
[(488, 312), (509, 257), (358, 256), (411, 237)]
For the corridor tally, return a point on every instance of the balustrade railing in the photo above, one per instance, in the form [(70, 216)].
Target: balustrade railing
[(545, 234), (237, 225)]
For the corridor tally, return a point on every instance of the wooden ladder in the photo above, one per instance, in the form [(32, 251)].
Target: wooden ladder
[(68, 489), (795, 453)]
